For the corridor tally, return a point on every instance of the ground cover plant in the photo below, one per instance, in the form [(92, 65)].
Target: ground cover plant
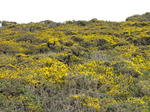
[(75, 66)]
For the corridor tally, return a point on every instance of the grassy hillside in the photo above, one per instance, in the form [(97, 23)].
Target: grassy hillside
[(76, 66)]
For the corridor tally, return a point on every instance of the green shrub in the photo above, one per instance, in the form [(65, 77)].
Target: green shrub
[(69, 44), (101, 42), (85, 44), (69, 32), (143, 17), (142, 41), (9, 24), (123, 68), (76, 39)]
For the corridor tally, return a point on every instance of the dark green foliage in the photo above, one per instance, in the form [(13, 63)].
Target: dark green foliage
[(26, 37), (64, 58), (51, 45), (77, 50), (9, 24), (76, 39), (69, 44), (120, 44), (85, 44), (141, 24), (43, 49), (69, 32), (122, 67), (93, 20), (101, 42), (142, 41), (50, 24), (81, 23), (143, 17), (31, 27), (105, 47), (7, 48)]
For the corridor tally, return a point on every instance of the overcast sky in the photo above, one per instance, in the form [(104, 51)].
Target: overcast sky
[(24, 11)]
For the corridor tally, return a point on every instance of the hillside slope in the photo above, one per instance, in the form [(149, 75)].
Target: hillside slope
[(76, 66)]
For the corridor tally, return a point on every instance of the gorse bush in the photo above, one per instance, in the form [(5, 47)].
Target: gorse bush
[(75, 66), (143, 17)]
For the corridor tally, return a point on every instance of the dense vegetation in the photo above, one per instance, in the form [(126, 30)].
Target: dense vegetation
[(143, 17), (76, 66)]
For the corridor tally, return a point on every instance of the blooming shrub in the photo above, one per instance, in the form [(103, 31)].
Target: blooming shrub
[(75, 66)]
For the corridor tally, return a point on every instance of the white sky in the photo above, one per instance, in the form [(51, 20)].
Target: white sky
[(24, 11)]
